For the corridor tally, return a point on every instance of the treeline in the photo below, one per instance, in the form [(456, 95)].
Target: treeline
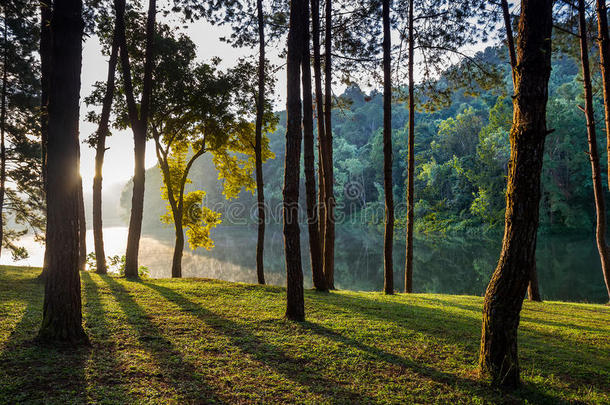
[(461, 155)]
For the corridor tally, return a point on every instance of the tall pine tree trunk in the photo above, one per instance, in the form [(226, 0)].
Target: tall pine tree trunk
[(533, 292), (603, 40), (62, 317), (100, 150), (317, 68), (329, 194), (139, 134), (82, 225), (504, 296), (315, 247), (598, 190), (295, 308), (388, 239), (45, 73), (411, 161), (3, 108), (260, 110)]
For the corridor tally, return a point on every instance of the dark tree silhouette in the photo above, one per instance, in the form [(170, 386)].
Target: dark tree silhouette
[(139, 124), (596, 175), (62, 318), (388, 239), (99, 142), (258, 157), (603, 41), (328, 249), (504, 296), (45, 73), (410, 158), (315, 247), (295, 309)]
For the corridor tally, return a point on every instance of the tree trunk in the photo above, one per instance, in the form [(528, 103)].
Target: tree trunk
[(329, 195), (82, 226), (388, 279), (62, 317), (533, 292), (317, 68), (603, 41), (506, 290), (315, 247), (139, 135), (598, 191), (178, 246), (3, 108), (45, 73), (100, 150), (295, 308), (411, 161), (260, 110)]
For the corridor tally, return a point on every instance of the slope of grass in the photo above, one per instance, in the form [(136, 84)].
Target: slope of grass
[(206, 341)]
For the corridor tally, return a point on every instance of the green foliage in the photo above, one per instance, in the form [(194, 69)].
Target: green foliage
[(23, 203), (115, 264)]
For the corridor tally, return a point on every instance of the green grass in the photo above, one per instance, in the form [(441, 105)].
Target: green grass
[(205, 341)]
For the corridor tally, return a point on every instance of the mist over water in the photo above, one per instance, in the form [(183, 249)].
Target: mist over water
[(568, 265)]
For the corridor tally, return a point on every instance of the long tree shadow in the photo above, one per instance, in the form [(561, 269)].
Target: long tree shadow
[(34, 373), (108, 381), (183, 375), (450, 380), (295, 369), (464, 331)]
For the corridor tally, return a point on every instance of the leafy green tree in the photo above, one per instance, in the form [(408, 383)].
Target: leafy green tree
[(21, 192)]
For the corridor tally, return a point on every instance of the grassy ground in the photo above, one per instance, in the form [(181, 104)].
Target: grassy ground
[(204, 341)]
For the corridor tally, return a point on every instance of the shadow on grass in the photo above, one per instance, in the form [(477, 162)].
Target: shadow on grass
[(181, 374), (295, 369), (453, 328), (108, 382), (178, 372), (33, 373)]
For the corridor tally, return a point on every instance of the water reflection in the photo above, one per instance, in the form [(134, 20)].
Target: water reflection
[(568, 265)]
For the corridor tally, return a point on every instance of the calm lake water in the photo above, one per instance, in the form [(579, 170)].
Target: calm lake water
[(568, 265)]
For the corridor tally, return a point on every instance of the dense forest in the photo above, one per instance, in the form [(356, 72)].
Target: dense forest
[(461, 156)]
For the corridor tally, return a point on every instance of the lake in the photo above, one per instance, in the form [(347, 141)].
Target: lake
[(568, 265)]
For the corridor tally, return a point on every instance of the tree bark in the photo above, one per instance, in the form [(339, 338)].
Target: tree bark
[(178, 246), (45, 72), (260, 111), (533, 292), (411, 161), (62, 317), (100, 150), (598, 191), (295, 308), (603, 40), (388, 279), (139, 128), (317, 68), (3, 108), (315, 247), (82, 225), (329, 194), (504, 296)]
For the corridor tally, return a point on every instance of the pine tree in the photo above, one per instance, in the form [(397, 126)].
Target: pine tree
[(504, 296)]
